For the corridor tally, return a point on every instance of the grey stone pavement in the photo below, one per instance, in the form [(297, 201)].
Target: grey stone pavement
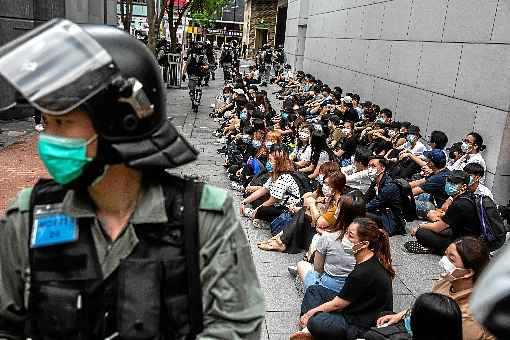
[(415, 273)]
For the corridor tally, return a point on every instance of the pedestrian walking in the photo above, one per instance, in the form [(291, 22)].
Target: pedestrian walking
[(113, 247)]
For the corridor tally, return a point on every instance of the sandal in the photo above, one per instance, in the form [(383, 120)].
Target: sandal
[(301, 335), (414, 247), (272, 245)]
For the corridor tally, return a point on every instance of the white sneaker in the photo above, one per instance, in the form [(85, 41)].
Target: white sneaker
[(292, 270), (39, 128), (248, 212), (237, 186)]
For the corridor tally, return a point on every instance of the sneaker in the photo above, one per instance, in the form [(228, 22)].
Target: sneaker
[(248, 212), (292, 270), (237, 186), (414, 247), (39, 128)]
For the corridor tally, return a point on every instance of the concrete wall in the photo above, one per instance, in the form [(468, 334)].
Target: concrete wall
[(443, 64)]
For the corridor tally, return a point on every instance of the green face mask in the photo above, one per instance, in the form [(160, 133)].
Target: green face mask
[(64, 157)]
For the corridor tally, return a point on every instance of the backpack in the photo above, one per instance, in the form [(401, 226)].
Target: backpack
[(393, 332), (279, 57), (193, 65), (493, 228), (304, 183), (407, 198)]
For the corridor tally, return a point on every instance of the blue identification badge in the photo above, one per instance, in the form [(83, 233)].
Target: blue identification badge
[(51, 226)]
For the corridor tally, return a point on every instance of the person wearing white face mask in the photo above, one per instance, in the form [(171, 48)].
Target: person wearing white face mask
[(303, 150), (471, 146), (463, 262), (346, 150), (367, 291), (358, 175)]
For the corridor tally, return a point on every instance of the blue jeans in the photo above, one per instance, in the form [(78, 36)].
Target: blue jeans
[(326, 326), (335, 283), (423, 205)]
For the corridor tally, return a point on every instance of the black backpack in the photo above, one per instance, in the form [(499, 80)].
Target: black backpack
[(280, 57), (393, 332), (193, 65), (304, 183), (493, 229), (407, 198)]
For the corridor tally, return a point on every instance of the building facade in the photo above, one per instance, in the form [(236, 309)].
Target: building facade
[(259, 24), (443, 64), (20, 16)]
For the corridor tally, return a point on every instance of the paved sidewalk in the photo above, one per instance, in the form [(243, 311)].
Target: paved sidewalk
[(415, 274)]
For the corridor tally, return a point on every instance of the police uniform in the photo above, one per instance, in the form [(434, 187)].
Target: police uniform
[(181, 266), (231, 299)]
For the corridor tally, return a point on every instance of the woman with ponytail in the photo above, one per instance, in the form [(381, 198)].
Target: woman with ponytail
[(367, 291)]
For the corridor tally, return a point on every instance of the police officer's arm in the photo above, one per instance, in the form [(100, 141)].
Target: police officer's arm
[(13, 262), (232, 298)]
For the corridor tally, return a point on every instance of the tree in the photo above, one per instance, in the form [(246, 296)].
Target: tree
[(202, 10), (126, 13), (205, 10), (154, 19)]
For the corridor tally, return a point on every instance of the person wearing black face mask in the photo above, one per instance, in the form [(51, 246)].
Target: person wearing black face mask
[(383, 197), (459, 220)]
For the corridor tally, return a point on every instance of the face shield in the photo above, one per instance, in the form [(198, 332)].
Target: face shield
[(57, 66)]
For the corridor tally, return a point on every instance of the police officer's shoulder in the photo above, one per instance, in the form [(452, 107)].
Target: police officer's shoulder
[(214, 199), (21, 203)]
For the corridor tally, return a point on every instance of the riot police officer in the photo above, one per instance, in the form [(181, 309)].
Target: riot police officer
[(279, 60), (113, 247), (196, 67), (211, 61), (267, 63), (227, 60)]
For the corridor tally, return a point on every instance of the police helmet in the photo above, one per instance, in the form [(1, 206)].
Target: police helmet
[(108, 74)]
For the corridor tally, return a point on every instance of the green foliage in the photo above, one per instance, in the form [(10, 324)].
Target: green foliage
[(205, 12)]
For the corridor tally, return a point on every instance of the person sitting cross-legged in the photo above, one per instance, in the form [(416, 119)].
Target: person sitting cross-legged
[(366, 293)]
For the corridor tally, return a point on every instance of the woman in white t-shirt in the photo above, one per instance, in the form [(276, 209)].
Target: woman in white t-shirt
[(303, 151), (281, 187), (331, 265), (471, 146)]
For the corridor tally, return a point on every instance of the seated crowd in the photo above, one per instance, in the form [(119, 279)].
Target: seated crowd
[(335, 178)]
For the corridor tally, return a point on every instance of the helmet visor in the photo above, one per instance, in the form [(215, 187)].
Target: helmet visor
[(57, 66)]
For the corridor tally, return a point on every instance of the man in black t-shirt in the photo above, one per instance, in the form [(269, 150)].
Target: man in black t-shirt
[(459, 220)]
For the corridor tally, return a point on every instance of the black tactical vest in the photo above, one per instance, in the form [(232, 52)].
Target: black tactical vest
[(155, 292)]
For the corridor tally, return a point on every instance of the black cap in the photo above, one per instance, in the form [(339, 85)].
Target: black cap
[(413, 130), (458, 177)]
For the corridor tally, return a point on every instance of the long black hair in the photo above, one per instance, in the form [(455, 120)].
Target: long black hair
[(319, 144), (436, 316)]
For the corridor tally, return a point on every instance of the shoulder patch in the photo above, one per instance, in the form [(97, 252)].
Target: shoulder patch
[(22, 201), (213, 198)]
